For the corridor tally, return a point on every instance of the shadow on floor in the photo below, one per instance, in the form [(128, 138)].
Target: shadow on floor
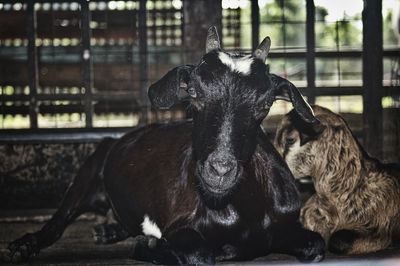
[(76, 246)]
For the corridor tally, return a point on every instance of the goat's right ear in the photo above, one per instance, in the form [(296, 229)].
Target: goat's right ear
[(165, 93)]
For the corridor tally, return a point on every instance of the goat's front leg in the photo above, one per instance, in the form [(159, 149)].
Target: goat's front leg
[(184, 246), (320, 216), (109, 233), (85, 194), (293, 239), (357, 242)]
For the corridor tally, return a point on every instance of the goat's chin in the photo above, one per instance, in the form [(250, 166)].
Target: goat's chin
[(217, 192), (215, 198)]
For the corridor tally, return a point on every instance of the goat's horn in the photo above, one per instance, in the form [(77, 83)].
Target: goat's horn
[(263, 49), (212, 42)]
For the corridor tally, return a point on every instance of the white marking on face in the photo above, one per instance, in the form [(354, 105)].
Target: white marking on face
[(290, 158), (150, 228), (241, 64)]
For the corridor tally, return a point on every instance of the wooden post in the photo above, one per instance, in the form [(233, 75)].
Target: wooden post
[(391, 138), (372, 76), (32, 64), (255, 24), (87, 62), (143, 70), (198, 16), (310, 33)]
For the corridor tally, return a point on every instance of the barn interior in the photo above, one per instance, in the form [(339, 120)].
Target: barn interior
[(74, 72)]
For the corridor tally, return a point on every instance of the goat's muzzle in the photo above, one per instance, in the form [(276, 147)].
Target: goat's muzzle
[(219, 174)]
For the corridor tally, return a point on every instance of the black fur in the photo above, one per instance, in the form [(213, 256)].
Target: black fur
[(215, 187), (341, 241)]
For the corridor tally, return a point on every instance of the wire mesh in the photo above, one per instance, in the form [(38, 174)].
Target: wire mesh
[(115, 53)]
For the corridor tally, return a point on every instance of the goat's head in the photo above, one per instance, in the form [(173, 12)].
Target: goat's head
[(320, 150), (230, 95)]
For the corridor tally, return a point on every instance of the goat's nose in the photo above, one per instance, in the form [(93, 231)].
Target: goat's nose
[(222, 167)]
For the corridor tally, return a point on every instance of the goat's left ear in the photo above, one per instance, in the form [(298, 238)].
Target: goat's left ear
[(307, 131), (306, 136), (285, 90), (165, 93)]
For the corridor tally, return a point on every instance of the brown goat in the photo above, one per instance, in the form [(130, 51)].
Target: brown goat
[(356, 207)]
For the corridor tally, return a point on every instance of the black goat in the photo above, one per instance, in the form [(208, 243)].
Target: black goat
[(204, 190)]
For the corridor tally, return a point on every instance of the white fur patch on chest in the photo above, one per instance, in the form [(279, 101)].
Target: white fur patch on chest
[(241, 64), (150, 228)]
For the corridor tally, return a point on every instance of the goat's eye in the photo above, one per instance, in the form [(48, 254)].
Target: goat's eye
[(290, 141), (192, 92), (268, 104)]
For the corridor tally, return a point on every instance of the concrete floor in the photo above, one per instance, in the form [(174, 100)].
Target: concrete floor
[(76, 246)]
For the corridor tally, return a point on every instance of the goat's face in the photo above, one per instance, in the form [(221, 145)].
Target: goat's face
[(310, 149), (228, 107), (294, 149), (230, 95)]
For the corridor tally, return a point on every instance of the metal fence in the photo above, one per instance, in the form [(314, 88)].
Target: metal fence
[(88, 63), (70, 64)]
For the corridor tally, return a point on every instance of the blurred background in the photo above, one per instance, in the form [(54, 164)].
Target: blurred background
[(73, 72)]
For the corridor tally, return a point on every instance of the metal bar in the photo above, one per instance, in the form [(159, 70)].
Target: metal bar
[(87, 62), (125, 108), (115, 100), (300, 53), (334, 91), (388, 90), (46, 1), (59, 136), (72, 97), (32, 64), (372, 77), (143, 70), (337, 40), (310, 33), (255, 24), (352, 90)]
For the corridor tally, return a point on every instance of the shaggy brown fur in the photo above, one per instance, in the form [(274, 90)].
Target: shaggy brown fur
[(356, 207)]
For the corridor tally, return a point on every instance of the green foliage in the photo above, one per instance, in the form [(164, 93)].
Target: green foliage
[(389, 36), (346, 32), (274, 14)]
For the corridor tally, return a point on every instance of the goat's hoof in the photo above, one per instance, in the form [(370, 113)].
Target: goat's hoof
[(143, 248), (102, 234), (109, 233), (154, 250), (105, 234), (23, 248), (313, 250), (341, 242)]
